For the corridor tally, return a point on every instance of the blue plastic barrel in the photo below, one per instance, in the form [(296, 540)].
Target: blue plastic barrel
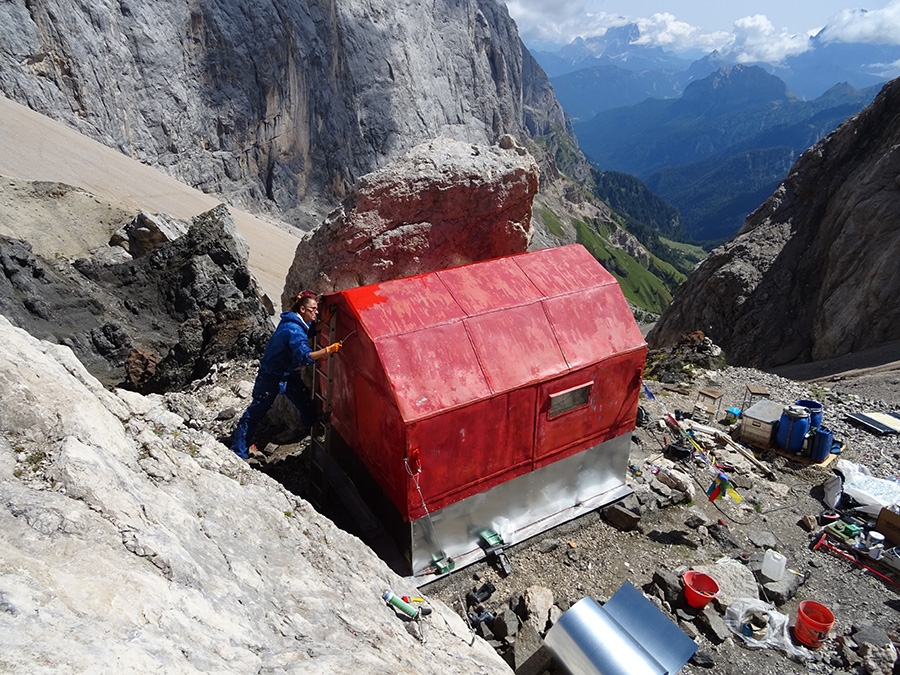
[(815, 412), (822, 443), (792, 428)]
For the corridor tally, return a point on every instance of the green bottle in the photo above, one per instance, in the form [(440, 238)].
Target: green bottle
[(397, 601)]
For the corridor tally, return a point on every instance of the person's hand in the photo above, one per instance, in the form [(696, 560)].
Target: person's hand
[(333, 348)]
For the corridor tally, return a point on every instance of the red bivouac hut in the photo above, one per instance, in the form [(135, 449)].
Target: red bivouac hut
[(487, 402)]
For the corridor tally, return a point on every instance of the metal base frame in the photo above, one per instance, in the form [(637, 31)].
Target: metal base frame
[(520, 508)]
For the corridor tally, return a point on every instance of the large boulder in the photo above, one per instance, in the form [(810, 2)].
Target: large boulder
[(811, 275), (445, 203), (178, 309)]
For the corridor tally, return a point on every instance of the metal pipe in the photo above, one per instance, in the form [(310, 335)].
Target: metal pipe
[(851, 558)]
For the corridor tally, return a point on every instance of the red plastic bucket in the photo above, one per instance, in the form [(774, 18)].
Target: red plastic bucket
[(813, 623), (699, 588)]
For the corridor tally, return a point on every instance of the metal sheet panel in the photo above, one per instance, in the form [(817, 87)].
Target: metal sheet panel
[(652, 629), (377, 434), (522, 507), (593, 325), (516, 347), (472, 449), (610, 411), (490, 287), (403, 306), (563, 270), (586, 640), (432, 370), (628, 635)]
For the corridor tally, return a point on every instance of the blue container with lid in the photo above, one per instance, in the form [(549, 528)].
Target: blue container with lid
[(792, 428), (815, 412)]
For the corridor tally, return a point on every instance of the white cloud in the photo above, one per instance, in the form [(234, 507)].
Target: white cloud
[(877, 26), (752, 38), (886, 71), (561, 22), (664, 30), (755, 39)]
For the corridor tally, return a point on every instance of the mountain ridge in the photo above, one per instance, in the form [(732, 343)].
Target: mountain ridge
[(691, 151), (816, 256)]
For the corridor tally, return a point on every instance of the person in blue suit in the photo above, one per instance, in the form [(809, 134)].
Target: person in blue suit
[(287, 351)]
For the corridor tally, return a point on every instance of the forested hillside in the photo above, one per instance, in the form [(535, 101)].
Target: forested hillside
[(720, 149)]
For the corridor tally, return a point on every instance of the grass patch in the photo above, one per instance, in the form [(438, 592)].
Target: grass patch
[(552, 221), (639, 285)]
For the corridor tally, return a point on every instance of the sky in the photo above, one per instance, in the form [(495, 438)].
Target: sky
[(760, 30)]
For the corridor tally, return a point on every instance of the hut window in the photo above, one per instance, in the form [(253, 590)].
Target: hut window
[(564, 401)]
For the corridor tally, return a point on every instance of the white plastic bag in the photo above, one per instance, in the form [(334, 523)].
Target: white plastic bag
[(871, 492), (776, 635)]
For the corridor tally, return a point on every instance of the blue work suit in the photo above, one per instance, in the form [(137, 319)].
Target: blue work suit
[(287, 350)]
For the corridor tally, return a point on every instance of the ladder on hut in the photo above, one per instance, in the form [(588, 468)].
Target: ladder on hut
[(320, 434), (323, 470)]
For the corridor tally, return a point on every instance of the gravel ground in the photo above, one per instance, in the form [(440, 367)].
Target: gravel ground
[(590, 557)]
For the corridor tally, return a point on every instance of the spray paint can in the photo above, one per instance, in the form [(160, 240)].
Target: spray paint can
[(397, 602)]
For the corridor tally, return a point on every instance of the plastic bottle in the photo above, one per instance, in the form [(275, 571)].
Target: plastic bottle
[(773, 565), (397, 601)]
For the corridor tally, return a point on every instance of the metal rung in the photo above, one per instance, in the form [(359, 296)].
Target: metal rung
[(320, 434)]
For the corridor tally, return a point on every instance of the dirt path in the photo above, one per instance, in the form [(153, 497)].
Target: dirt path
[(880, 361), (35, 147)]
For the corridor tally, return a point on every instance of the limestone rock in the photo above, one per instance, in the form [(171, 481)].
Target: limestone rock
[(146, 231), (279, 105), (129, 538), (810, 275), (538, 601), (444, 204), (735, 580)]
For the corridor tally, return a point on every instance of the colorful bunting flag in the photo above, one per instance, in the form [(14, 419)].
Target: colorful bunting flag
[(722, 486)]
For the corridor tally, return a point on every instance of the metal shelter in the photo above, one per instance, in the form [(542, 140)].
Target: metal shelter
[(486, 402)]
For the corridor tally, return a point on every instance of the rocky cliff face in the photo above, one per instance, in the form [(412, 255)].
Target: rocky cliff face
[(157, 317), (133, 542), (811, 275), (279, 104)]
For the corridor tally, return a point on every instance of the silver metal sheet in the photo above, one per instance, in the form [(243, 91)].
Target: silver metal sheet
[(626, 636), (652, 629), (522, 507), (879, 423)]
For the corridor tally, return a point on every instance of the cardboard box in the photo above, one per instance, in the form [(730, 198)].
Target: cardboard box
[(888, 524)]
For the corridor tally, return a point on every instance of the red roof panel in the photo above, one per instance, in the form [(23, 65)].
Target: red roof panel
[(453, 337), (565, 269), (516, 347), (482, 288), (593, 324), (432, 370), (403, 306)]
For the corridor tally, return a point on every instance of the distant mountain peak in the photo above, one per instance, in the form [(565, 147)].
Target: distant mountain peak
[(737, 85)]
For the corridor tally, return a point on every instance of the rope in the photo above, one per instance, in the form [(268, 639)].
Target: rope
[(454, 580)]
